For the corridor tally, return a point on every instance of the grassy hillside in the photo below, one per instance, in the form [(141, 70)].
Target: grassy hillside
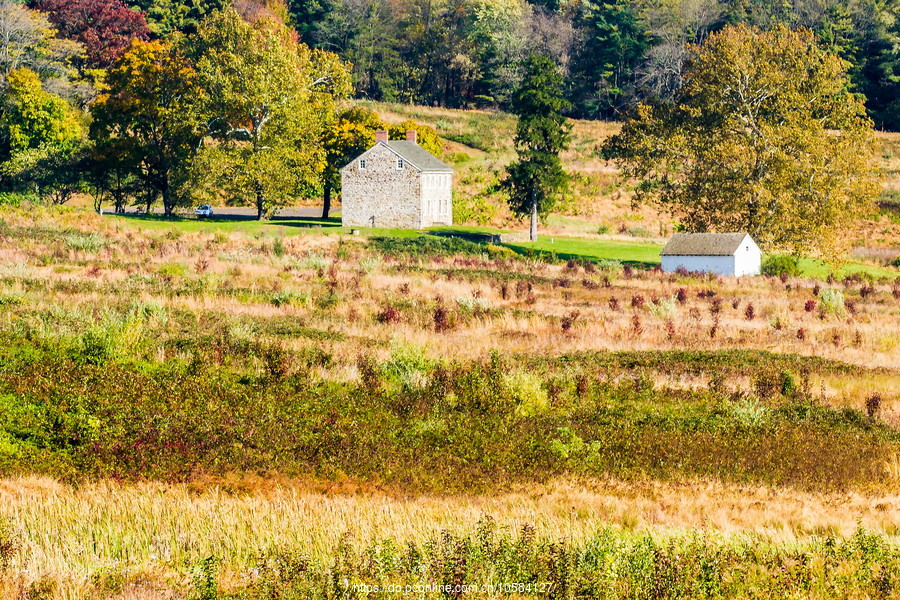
[(480, 145)]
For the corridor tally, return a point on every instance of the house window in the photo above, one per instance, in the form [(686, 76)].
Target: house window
[(399, 163), (362, 164)]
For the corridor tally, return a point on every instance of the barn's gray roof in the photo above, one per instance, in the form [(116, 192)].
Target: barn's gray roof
[(703, 244), (418, 156)]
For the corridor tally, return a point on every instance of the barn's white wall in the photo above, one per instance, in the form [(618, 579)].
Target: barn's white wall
[(743, 263), (748, 259), (721, 265)]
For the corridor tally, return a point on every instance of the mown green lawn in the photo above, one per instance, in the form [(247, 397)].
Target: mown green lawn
[(637, 253)]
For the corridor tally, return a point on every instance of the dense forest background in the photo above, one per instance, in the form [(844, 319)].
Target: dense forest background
[(468, 53)]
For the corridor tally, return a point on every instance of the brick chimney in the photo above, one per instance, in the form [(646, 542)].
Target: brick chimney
[(410, 135), (381, 136)]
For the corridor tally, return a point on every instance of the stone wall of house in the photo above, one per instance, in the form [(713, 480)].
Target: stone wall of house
[(380, 195)]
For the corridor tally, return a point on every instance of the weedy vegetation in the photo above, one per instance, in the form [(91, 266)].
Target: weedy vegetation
[(215, 415)]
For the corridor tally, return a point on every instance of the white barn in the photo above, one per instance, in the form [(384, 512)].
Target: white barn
[(734, 254)]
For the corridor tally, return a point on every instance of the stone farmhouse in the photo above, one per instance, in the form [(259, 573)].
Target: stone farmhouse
[(396, 184), (734, 254)]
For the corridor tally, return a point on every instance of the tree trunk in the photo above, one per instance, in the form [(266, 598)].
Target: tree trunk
[(168, 204), (534, 217), (326, 201), (259, 206)]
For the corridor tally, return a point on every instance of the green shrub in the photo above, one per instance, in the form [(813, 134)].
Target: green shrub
[(172, 270), (781, 264), (665, 308), (749, 412), (86, 242), (278, 248), (313, 261), (425, 246), (831, 302), (495, 251), (459, 158), (370, 264), (609, 265), (637, 231), (527, 389), (287, 297), (408, 366), (477, 208), (788, 384)]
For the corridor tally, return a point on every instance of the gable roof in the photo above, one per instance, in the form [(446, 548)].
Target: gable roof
[(704, 244), (411, 152), (418, 156)]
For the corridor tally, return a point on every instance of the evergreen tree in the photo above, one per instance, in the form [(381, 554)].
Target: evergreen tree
[(536, 180)]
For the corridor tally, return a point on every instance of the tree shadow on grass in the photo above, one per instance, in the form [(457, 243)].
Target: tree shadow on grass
[(307, 222), (544, 255)]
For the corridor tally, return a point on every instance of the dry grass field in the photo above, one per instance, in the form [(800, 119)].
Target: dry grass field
[(212, 413)]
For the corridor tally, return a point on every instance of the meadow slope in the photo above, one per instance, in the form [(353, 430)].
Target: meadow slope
[(208, 412)]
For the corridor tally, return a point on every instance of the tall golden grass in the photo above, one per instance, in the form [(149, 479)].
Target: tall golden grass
[(159, 531)]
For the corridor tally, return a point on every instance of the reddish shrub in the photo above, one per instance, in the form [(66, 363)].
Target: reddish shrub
[(569, 320), (389, 314)]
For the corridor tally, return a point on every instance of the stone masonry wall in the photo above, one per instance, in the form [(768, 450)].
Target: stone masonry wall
[(381, 195)]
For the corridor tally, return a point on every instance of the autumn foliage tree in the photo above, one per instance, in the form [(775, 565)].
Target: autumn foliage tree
[(28, 40), (149, 118), (105, 28), (348, 136), (40, 134), (764, 137)]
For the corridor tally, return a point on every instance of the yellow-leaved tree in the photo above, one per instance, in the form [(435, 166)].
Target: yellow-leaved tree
[(764, 136)]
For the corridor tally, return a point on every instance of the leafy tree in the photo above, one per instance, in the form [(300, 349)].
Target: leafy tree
[(351, 134), (34, 118), (269, 99), (40, 135), (150, 118), (763, 137), (876, 60), (536, 180), (110, 176), (165, 17), (426, 136), (104, 27), (28, 40), (500, 43), (308, 17)]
